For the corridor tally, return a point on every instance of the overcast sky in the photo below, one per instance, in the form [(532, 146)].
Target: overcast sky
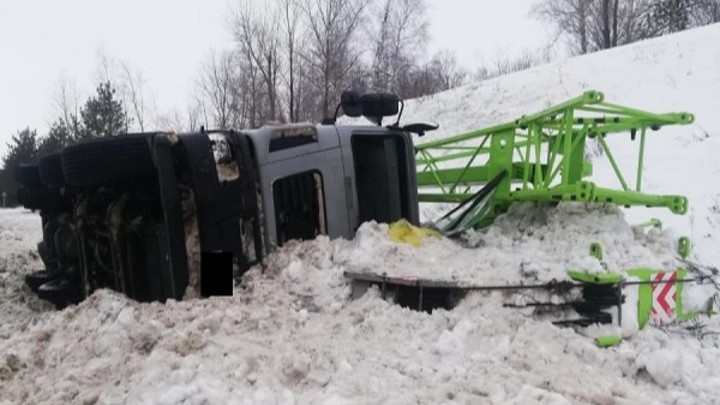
[(43, 40)]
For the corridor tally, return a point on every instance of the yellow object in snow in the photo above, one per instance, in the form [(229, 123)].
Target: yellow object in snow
[(403, 231)]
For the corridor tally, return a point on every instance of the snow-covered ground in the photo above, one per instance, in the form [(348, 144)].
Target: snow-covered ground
[(531, 245), (291, 335), (20, 231)]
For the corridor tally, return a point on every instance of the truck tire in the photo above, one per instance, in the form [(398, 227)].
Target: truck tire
[(50, 170), (37, 278), (28, 175), (47, 254), (38, 198), (61, 292), (109, 161)]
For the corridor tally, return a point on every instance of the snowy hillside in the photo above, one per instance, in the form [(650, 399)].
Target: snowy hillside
[(670, 74), (291, 335)]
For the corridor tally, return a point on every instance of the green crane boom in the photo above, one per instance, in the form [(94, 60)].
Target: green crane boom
[(543, 155)]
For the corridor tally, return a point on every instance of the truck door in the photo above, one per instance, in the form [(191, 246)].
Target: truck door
[(301, 176)]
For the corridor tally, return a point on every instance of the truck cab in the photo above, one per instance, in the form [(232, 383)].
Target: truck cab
[(328, 179)]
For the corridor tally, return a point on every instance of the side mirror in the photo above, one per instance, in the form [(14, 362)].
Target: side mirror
[(372, 106), (350, 102), (378, 105), (421, 127)]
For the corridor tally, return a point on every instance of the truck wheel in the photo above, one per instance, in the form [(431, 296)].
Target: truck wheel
[(47, 254), (38, 198), (37, 278), (50, 170), (60, 292), (28, 175), (109, 161)]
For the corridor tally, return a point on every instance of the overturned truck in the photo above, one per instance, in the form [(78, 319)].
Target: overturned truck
[(155, 215)]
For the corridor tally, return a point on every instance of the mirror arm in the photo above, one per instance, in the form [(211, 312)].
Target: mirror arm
[(402, 107), (337, 110)]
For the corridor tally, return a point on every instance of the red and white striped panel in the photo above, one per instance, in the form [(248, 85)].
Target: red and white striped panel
[(663, 298)]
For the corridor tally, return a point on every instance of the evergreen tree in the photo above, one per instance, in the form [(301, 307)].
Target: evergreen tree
[(102, 115), (59, 136), (6, 200), (22, 149)]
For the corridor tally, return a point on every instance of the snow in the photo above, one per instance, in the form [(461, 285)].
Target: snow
[(530, 244), (19, 234), (291, 335)]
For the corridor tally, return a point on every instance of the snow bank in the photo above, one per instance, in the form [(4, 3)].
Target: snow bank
[(530, 244), (290, 335), (20, 231)]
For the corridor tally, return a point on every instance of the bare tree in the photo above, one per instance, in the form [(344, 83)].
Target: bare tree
[(668, 16), (448, 71), (441, 73), (602, 24), (332, 53), (197, 111), (172, 121), (106, 69), (607, 23), (504, 64), (400, 33), (382, 55), (591, 25), (134, 89), (290, 22), (632, 21), (294, 58), (65, 101), (250, 101), (306, 94), (571, 18), (217, 84), (195, 116), (257, 33)]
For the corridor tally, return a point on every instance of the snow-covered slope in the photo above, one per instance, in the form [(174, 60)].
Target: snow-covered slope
[(669, 74), (291, 335)]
